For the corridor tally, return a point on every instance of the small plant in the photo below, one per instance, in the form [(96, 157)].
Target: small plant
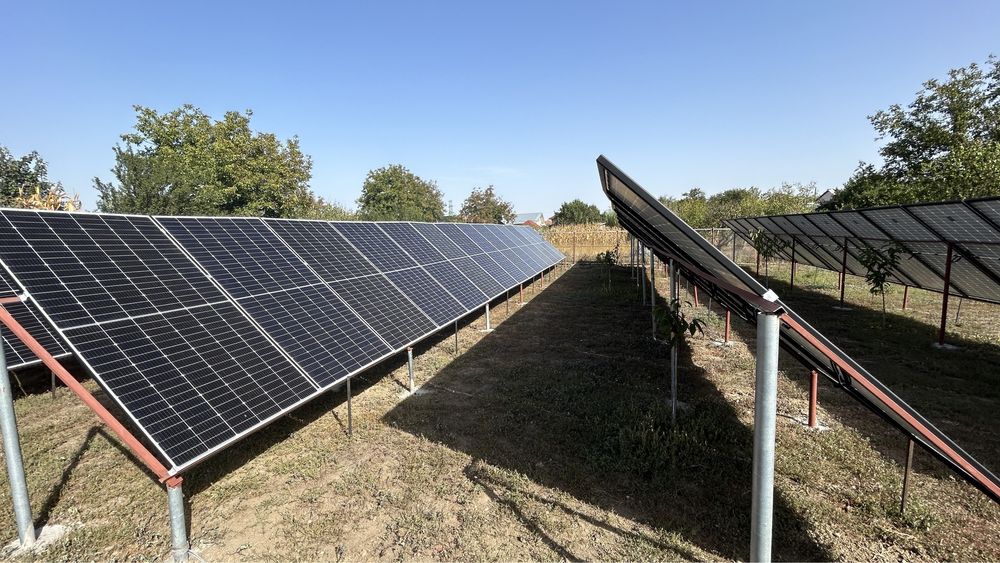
[(610, 259), (675, 324), (767, 247), (879, 264)]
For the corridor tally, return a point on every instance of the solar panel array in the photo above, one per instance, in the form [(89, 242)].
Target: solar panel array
[(205, 329), (698, 260), (923, 231)]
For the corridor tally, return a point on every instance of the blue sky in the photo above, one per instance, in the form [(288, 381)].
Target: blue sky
[(520, 95)]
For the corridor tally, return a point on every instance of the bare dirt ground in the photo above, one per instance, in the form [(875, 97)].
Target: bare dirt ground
[(549, 438)]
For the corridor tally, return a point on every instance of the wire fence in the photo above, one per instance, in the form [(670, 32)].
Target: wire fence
[(586, 243)]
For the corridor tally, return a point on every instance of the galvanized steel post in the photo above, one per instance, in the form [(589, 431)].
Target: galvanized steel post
[(409, 365), (178, 524), (652, 291), (765, 413), (488, 325), (642, 272), (946, 291), (12, 454), (456, 336), (350, 417), (674, 305)]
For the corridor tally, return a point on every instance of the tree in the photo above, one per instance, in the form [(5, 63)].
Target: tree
[(393, 193), (879, 264), (577, 212), (184, 163), (703, 212), (24, 183), (484, 206), (611, 218), (944, 145)]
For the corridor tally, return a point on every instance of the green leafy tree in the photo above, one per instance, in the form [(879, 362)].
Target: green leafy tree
[(326, 211), (484, 206), (577, 212), (25, 178), (611, 218), (944, 145), (879, 264), (393, 193), (702, 212), (185, 163), (767, 247)]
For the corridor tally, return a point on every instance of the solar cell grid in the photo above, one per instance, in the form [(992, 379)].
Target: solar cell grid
[(439, 240), (516, 272), (372, 242), (322, 248), (407, 237), (495, 270), (828, 226), (318, 330), (478, 236), (457, 236), (899, 225), (956, 222), (430, 296), (27, 315), (458, 284), (480, 276), (804, 226), (397, 320)]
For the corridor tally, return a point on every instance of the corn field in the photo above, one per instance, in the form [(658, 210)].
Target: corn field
[(585, 242)]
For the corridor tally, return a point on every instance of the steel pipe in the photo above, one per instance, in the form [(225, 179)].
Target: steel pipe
[(409, 365), (12, 454), (765, 414), (178, 524)]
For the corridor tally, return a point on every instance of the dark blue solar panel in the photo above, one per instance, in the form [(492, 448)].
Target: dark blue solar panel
[(517, 272), (397, 320), (322, 248), (494, 269), (460, 239), (27, 315), (432, 298), (372, 242), (478, 235), (318, 330), (281, 294), (458, 283), (441, 242), (479, 276), (407, 237)]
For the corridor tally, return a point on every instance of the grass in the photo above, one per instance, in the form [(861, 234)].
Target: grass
[(549, 438)]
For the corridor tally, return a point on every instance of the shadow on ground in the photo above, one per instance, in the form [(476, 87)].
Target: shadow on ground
[(571, 392)]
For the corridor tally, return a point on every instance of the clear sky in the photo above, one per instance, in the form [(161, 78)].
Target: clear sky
[(520, 95)]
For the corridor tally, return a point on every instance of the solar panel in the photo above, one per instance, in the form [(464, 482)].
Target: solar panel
[(323, 248), (27, 315), (418, 247), (459, 284), (899, 224), (380, 303), (168, 346), (486, 283), (439, 240), (281, 294), (494, 269), (955, 222), (372, 242), (478, 236), (670, 237)]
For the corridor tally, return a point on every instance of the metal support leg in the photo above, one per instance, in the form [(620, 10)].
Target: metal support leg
[(53, 388), (843, 273), (350, 415), (409, 365), (652, 291), (456, 337), (813, 394), (944, 297), (178, 524), (765, 413), (726, 337), (489, 327), (642, 273), (906, 476), (674, 304), (696, 303), (520, 293), (506, 300), (12, 454), (906, 293)]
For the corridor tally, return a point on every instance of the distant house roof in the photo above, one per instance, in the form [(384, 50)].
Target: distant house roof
[(522, 218), (825, 196)]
